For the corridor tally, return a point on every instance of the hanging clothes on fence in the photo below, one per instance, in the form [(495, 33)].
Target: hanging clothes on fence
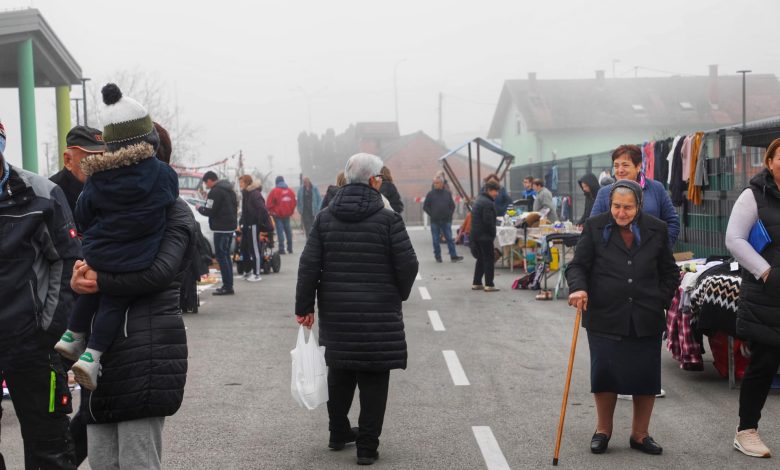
[(551, 179), (686, 158), (694, 191), (676, 182), (649, 159), (661, 163), (670, 160)]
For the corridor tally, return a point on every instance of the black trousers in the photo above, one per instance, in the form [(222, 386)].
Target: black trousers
[(764, 362), (39, 390), (373, 401), (486, 262)]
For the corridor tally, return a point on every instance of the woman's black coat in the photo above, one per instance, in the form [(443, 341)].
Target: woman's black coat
[(145, 369), (483, 219), (360, 265), (389, 190), (624, 286)]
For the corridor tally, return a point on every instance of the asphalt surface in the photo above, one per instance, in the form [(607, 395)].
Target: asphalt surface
[(238, 412)]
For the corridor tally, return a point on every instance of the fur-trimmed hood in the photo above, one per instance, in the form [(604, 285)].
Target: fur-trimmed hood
[(255, 185), (125, 156)]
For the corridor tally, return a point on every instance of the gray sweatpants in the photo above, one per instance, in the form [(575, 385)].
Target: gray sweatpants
[(128, 445)]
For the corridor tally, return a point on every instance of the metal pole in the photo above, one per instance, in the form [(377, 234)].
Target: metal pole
[(395, 88), (78, 112), (62, 94), (744, 106), (84, 94), (479, 166), (471, 174)]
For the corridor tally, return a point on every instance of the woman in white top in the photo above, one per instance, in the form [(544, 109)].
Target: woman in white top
[(758, 316)]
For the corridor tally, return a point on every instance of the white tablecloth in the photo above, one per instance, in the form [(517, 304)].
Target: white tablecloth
[(506, 236)]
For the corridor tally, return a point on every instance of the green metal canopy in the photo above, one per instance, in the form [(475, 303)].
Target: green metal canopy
[(31, 56)]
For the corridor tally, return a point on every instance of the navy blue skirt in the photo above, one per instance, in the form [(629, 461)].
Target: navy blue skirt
[(625, 365)]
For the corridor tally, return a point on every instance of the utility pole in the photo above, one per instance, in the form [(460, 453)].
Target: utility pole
[(441, 113), (84, 97), (614, 61), (395, 88), (744, 96)]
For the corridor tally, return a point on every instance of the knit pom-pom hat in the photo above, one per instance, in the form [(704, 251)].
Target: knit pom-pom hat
[(125, 121)]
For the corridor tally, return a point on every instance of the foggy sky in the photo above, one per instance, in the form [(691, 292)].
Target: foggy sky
[(244, 72)]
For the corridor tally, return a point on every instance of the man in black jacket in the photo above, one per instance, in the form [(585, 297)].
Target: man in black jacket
[(439, 206), (38, 248), (222, 210), (483, 232), (359, 265), (81, 141)]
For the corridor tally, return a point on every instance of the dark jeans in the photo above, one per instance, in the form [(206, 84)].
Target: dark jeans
[(283, 228), (764, 362), (485, 262), (307, 219), (40, 395), (109, 312), (437, 231), (222, 253), (373, 400)]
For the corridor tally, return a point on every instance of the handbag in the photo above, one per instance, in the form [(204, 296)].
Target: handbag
[(759, 238)]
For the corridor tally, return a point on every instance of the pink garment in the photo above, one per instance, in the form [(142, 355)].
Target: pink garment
[(679, 337), (650, 159), (686, 158)]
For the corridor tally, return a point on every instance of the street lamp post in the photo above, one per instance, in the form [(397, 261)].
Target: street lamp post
[(744, 106), (395, 87), (84, 94), (78, 115)]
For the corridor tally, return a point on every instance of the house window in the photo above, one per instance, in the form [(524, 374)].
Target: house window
[(638, 109), (686, 106), (756, 156)]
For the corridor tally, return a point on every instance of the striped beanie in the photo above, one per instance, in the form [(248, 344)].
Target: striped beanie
[(125, 121)]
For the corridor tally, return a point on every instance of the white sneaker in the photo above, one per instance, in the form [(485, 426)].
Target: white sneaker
[(749, 443), (86, 371), (254, 278), (70, 346)]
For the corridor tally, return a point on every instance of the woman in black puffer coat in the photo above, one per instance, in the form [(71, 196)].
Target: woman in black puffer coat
[(145, 369)]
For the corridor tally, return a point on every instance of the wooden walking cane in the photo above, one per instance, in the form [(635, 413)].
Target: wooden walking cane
[(566, 387)]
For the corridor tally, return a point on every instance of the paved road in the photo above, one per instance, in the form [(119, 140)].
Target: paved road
[(238, 413)]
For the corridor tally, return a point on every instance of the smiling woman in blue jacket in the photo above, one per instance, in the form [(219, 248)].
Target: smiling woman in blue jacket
[(627, 165)]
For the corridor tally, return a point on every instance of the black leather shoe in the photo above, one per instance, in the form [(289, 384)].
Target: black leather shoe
[(455, 259), (648, 446), (438, 260), (367, 457), (599, 443), (223, 291), (338, 444)]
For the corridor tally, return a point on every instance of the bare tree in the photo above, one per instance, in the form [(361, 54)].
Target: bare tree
[(159, 99)]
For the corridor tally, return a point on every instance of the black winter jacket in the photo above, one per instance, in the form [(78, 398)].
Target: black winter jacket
[(221, 207), (758, 311), (253, 211), (590, 197), (624, 286), (483, 219), (360, 265), (389, 190), (145, 369), (121, 211), (38, 247), (70, 186), (329, 194), (439, 206)]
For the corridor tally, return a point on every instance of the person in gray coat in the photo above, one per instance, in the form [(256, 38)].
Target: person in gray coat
[(544, 200)]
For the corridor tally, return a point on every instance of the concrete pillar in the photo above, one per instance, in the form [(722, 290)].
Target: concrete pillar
[(27, 107), (63, 119)]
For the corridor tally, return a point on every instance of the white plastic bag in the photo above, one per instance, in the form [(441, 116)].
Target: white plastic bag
[(309, 385)]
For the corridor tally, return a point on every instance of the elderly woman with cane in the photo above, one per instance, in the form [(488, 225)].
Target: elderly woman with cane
[(623, 276)]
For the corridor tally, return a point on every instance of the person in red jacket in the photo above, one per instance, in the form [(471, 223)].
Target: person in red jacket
[(281, 205)]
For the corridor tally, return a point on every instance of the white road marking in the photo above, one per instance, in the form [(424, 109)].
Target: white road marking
[(491, 452), (418, 278), (424, 293), (202, 303), (456, 370), (435, 320)]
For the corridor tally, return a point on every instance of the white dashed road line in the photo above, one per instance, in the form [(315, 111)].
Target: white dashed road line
[(418, 278), (491, 452), (456, 370), (424, 293), (435, 320)]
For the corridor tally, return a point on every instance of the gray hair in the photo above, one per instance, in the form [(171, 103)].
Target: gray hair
[(361, 167), (438, 177)]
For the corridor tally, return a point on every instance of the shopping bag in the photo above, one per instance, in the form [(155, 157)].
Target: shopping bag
[(309, 384)]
